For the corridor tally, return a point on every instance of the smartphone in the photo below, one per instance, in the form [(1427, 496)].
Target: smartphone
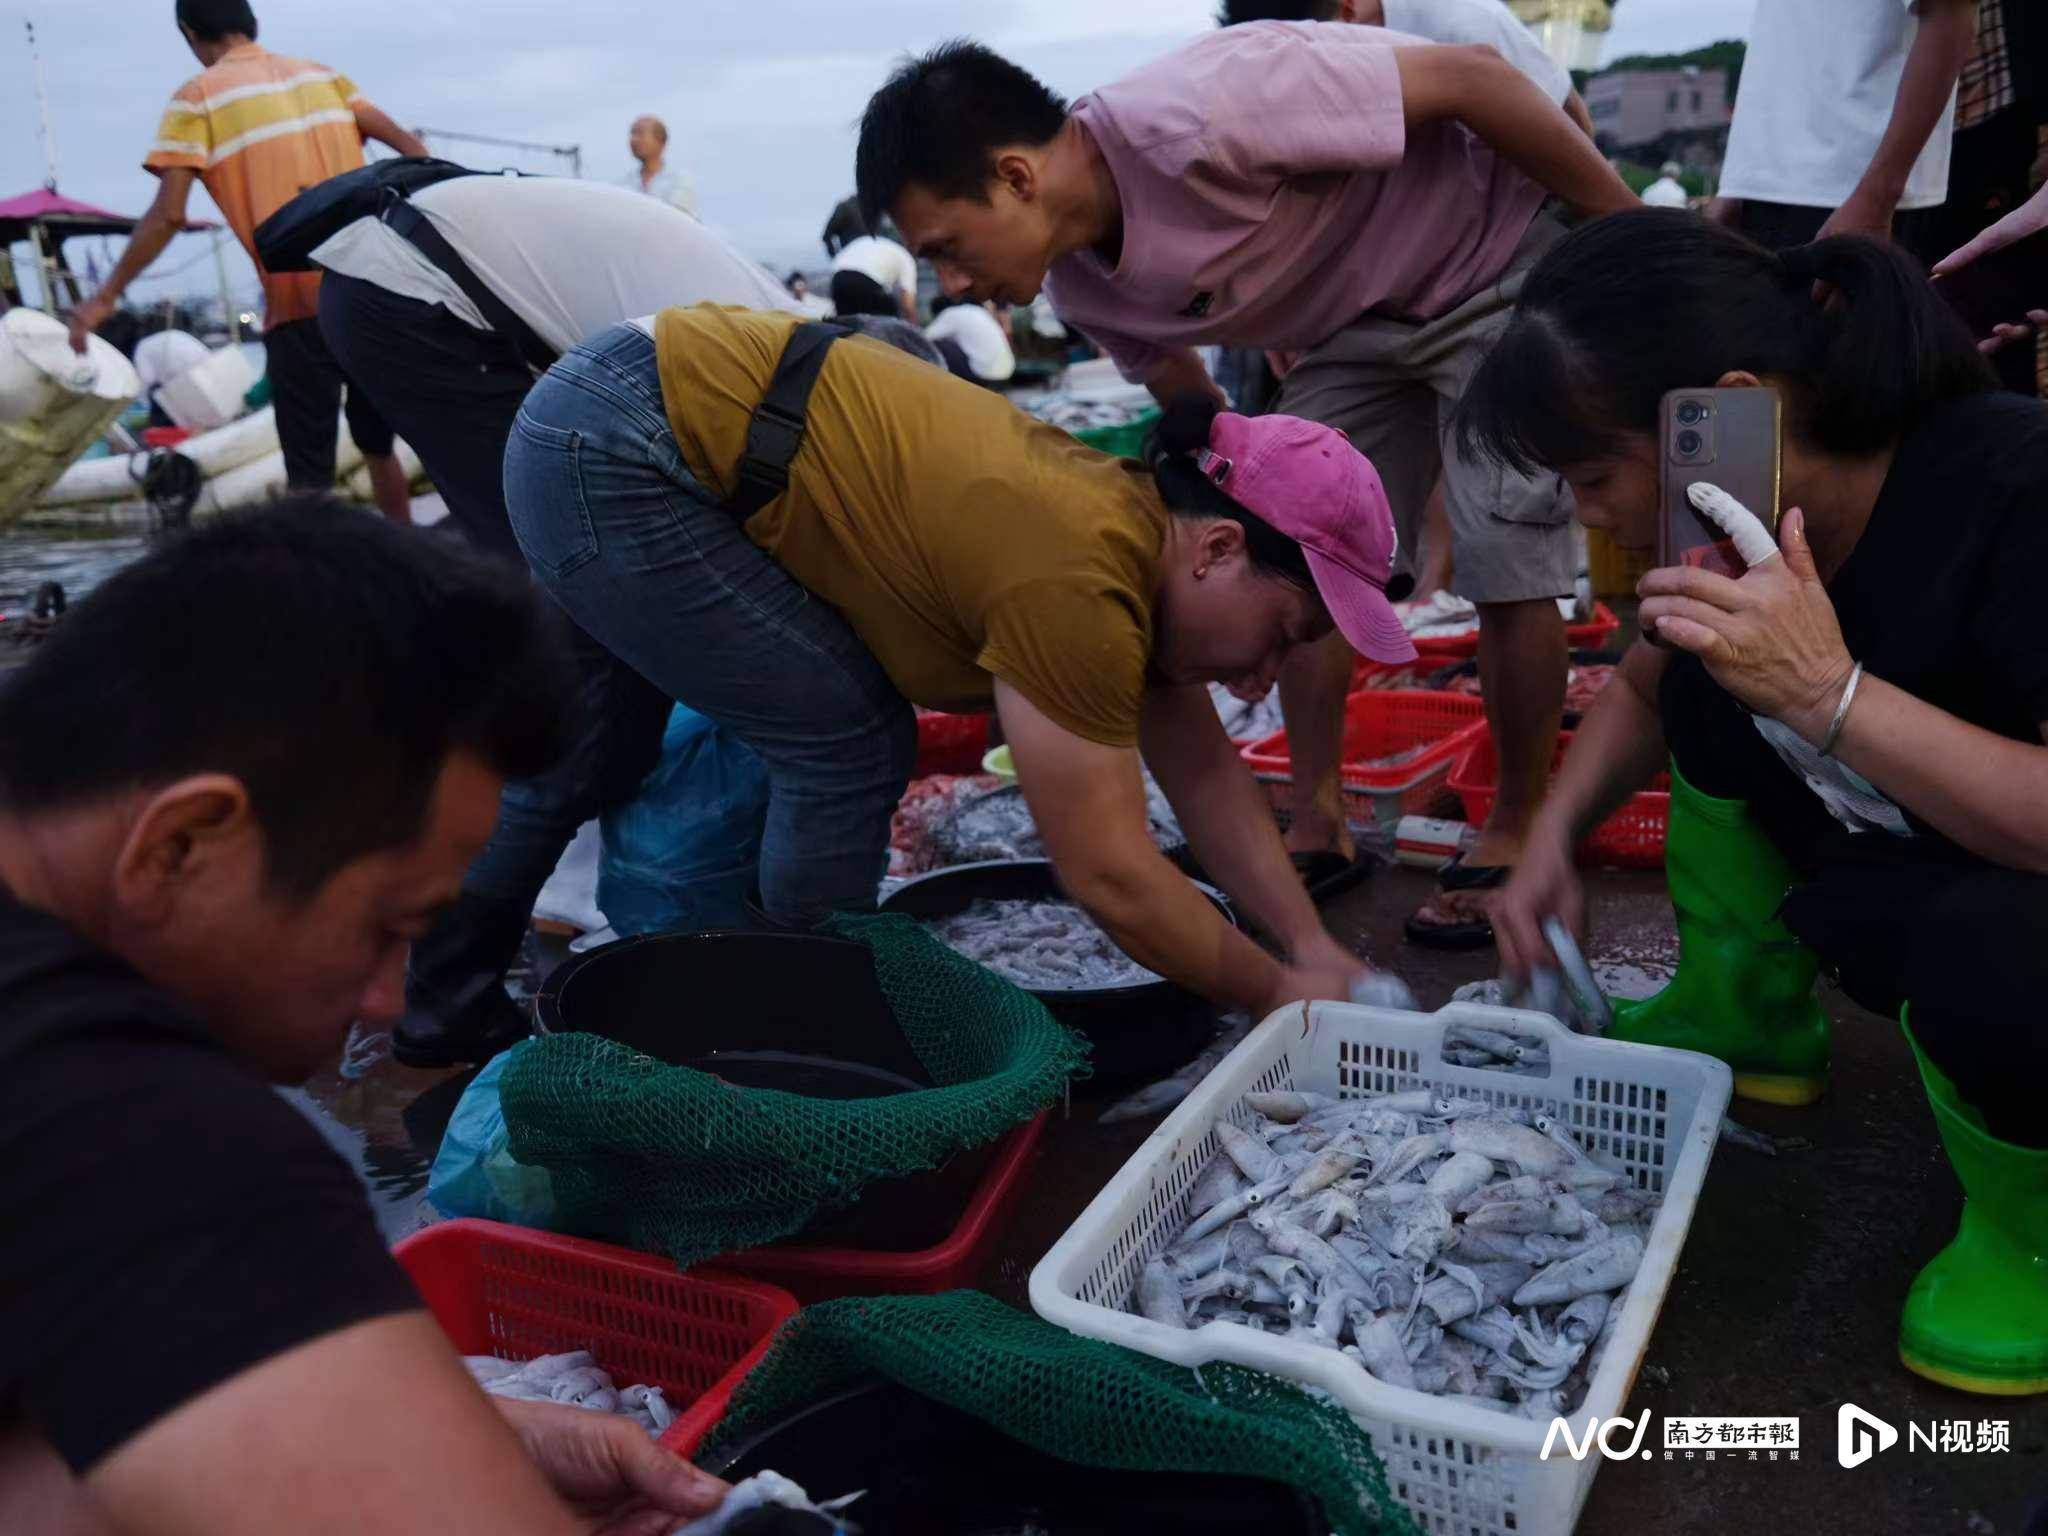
[(1731, 437)]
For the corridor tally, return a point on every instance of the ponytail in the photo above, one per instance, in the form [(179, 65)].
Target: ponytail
[(1170, 449), (1637, 304), (1885, 347)]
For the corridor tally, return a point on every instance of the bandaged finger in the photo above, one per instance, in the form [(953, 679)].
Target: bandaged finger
[(1753, 541)]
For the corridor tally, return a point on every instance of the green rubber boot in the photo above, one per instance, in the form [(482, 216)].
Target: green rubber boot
[(1744, 988), (1977, 1316)]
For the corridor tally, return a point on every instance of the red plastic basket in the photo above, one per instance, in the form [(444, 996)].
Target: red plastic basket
[(1367, 673), (819, 1274), (950, 743), (1381, 723), (516, 1293), (1592, 635), (1632, 838)]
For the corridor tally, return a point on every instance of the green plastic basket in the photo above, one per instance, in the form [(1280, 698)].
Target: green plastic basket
[(1126, 441)]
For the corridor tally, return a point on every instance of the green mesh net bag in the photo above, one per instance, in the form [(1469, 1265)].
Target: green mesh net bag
[(1077, 1399), (672, 1160)]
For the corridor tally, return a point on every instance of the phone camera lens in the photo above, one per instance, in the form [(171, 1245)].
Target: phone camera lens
[(1690, 411), (1689, 442)]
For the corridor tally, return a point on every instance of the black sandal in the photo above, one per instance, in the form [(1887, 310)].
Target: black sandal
[(1474, 933), (1328, 874)]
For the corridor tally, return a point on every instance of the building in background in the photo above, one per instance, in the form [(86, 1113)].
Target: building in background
[(1571, 31), (1657, 114)]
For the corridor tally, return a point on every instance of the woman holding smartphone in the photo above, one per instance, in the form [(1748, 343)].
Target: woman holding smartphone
[(1855, 728)]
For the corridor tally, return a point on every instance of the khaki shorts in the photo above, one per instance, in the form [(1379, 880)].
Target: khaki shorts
[(1391, 386)]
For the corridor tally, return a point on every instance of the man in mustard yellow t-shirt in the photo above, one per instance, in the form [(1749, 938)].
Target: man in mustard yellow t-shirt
[(934, 545)]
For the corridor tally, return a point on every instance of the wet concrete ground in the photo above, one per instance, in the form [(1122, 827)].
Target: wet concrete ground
[(1786, 1301)]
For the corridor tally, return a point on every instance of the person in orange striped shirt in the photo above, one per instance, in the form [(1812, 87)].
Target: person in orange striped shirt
[(257, 128)]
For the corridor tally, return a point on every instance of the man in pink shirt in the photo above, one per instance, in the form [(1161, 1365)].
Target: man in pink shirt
[(1356, 197)]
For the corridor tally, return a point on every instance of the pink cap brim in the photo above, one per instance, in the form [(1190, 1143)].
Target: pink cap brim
[(1361, 611)]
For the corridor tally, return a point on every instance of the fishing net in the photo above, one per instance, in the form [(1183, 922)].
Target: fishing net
[(1077, 1399), (668, 1159)]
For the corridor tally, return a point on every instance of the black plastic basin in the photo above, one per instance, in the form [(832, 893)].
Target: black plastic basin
[(931, 1470), (798, 1012), (1142, 1031)]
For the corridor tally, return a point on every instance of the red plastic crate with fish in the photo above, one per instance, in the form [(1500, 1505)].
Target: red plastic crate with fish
[(1399, 745), (516, 1293), (1631, 838), (1592, 634)]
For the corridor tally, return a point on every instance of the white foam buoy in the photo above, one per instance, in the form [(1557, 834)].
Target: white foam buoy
[(54, 403)]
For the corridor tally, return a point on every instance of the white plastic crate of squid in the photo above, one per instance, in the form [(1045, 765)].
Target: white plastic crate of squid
[(1631, 1127)]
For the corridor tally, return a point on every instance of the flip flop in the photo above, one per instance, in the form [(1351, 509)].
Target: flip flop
[(1475, 933)]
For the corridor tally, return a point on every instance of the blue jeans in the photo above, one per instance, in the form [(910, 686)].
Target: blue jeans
[(649, 561)]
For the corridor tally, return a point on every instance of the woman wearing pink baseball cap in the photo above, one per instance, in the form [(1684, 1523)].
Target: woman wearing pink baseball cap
[(925, 542)]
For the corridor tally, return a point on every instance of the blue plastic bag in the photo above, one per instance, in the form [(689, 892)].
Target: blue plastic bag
[(684, 852), (474, 1173)]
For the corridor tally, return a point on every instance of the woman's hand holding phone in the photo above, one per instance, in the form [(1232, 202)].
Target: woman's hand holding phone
[(1772, 638)]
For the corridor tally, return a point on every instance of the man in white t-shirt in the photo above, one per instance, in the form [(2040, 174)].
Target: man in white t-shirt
[(647, 140), (1440, 21), (568, 259), (875, 276), (1843, 118), (972, 340)]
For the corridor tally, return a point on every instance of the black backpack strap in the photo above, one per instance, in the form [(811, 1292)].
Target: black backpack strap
[(415, 226), (777, 428)]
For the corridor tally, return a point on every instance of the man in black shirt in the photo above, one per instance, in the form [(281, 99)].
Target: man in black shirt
[(233, 788)]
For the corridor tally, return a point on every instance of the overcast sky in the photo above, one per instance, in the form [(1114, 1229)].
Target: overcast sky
[(760, 99)]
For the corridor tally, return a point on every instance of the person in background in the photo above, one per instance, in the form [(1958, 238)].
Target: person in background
[(974, 342), (1438, 21), (1855, 727), (1667, 191), (1843, 120), (845, 225), (211, 863), (647, 139), (808, 303), (873, 275), (1368, 202), (1999, 156), (567, 258), (256, 129), (2030, 218)]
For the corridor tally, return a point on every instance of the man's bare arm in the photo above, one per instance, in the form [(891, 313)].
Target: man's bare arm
[(1575, 109), (1181, 373), (1476, 86), (375, 1427), (1940, 48), (374, 123), (153, 231)]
